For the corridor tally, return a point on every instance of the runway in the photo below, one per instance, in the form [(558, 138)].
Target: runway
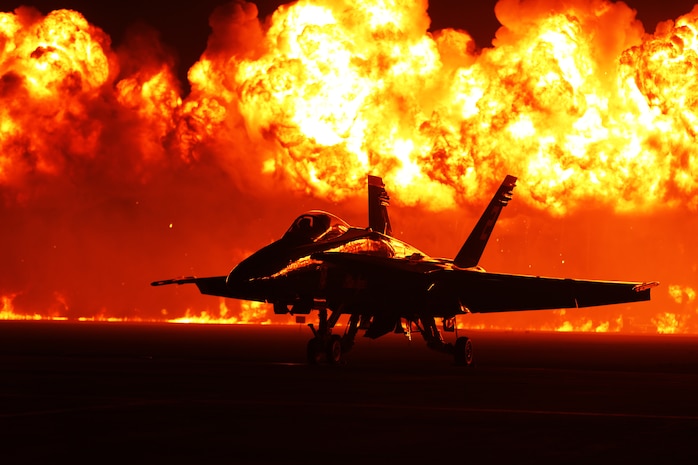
[(200, 394)]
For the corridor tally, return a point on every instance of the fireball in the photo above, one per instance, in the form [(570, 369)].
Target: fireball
[(100, 150)]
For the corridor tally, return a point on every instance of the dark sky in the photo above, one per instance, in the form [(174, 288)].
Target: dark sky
[(184, 25)]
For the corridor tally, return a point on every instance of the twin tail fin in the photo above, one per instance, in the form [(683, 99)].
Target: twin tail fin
[(469, 255)]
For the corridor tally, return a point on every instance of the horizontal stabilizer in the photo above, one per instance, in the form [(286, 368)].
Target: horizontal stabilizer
[(469, 255)]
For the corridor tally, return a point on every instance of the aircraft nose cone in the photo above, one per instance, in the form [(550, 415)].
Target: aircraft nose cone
[(236, 277)]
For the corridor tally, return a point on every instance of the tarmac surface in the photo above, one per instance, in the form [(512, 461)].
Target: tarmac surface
[(204, 394)]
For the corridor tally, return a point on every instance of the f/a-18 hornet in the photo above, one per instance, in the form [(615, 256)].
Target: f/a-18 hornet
[(322, 263)]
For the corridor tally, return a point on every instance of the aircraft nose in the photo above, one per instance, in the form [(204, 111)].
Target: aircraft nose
[(237, 283), (235, 278), (242, 275)]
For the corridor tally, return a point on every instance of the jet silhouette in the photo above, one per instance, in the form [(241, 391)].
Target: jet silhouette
[(322, 263)]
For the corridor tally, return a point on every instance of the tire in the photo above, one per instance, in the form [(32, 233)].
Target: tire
[(463, 352), (334, 350)]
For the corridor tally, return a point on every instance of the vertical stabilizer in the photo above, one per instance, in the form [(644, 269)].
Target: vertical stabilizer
[(378, 202), (471, 251)]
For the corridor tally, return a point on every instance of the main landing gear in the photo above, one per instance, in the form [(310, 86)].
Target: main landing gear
[(328, 347), (325, 346), (462, 351)]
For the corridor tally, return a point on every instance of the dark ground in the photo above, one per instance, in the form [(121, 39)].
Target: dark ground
[(188, 394)]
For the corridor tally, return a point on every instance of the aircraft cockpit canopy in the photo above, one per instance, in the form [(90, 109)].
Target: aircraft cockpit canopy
[(315, 226)]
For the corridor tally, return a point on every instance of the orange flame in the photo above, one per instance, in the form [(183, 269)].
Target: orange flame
[(8, 312), (575, 99), (667, 323), (567, 99), (49, 65), (251, 313), (101, 153)]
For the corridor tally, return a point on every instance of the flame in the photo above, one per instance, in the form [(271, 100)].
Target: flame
[(101, 152), (48, 65), (8, 312), (251, 313), (584, 115), (334, 90), (668, 323), (682, 294)]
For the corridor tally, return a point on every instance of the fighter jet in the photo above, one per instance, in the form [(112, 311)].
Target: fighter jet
[(385, 285)]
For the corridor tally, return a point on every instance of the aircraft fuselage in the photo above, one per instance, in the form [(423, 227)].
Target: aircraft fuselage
[(290, 274)]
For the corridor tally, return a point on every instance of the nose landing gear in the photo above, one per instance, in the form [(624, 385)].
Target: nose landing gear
[(325, 346)]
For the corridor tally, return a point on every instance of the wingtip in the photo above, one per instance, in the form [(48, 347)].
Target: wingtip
[(182, 280), (646, 285)]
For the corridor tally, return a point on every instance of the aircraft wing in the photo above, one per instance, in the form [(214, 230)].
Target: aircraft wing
[(214, 285), (482, 292)]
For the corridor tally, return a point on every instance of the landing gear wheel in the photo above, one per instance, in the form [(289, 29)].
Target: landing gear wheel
[(334, 350), (314, 352), (463, 352)]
